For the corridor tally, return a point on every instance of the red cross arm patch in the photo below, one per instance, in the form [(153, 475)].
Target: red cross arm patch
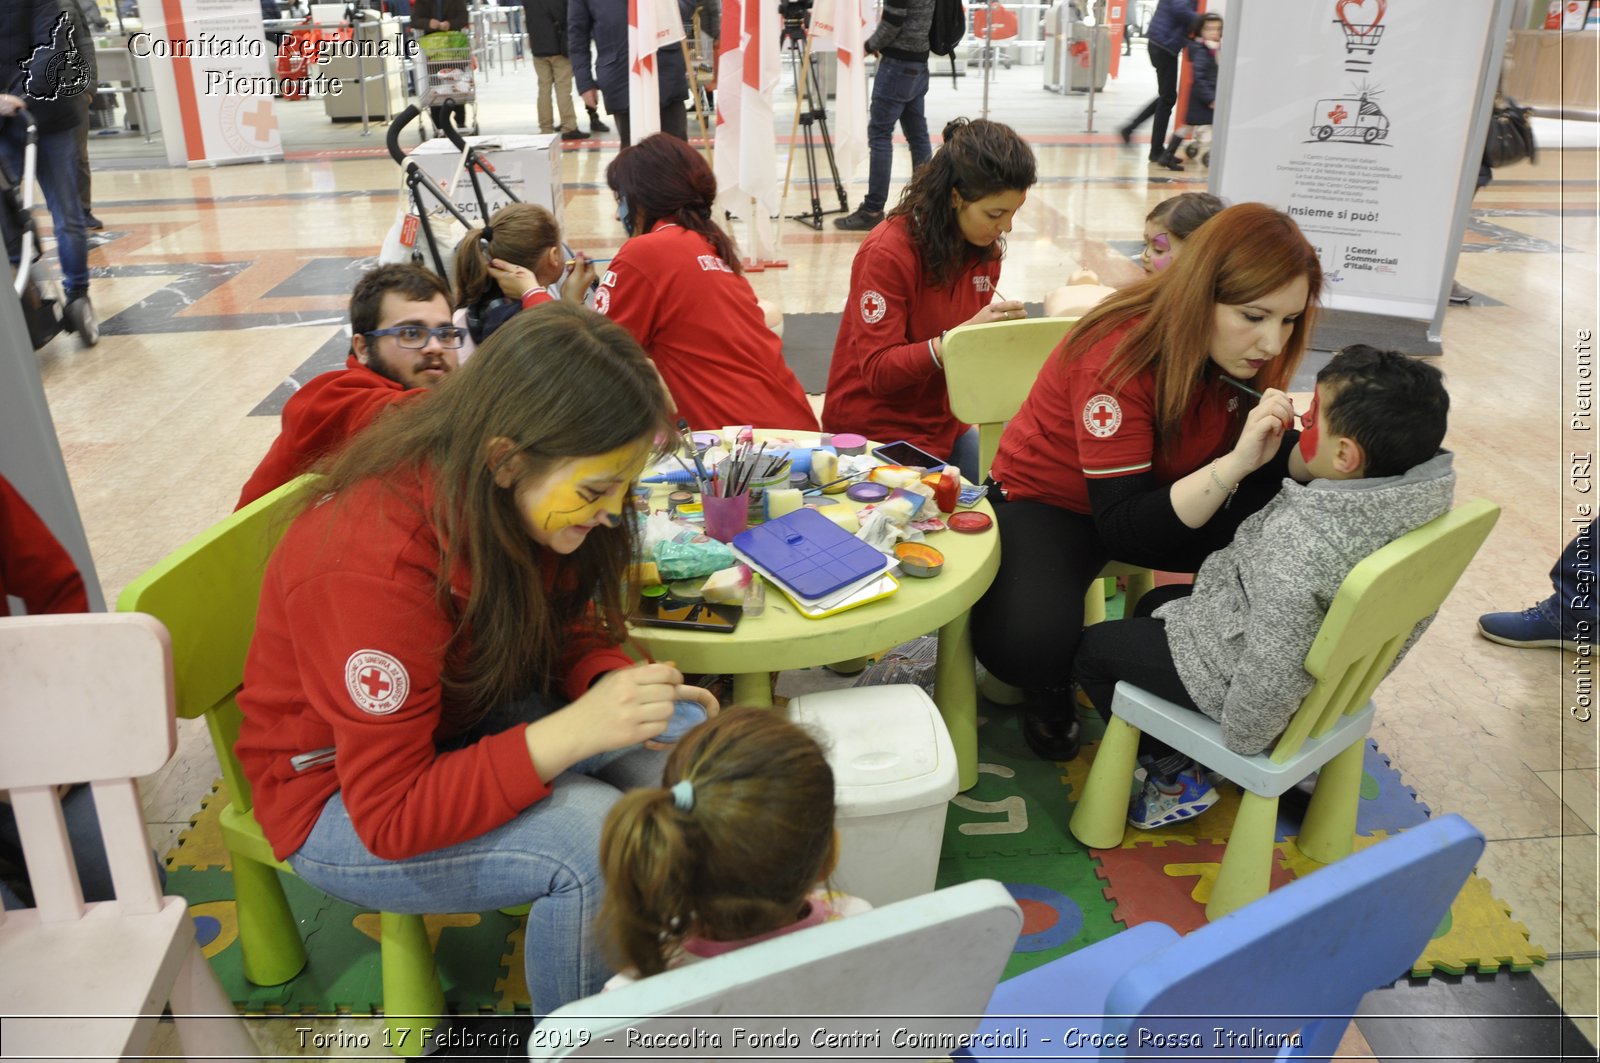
[(1102, 416), (376, 682)]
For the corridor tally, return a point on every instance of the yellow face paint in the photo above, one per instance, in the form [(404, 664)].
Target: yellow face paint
[(578, 495)]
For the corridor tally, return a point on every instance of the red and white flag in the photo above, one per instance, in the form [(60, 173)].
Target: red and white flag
[(652, 24), (747, 72), (840, 23)]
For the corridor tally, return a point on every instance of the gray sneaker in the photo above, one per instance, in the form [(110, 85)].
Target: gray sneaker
[(861, 221), (80, 318)]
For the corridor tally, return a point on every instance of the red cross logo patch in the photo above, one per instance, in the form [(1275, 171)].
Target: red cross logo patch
[(873, 307), (602, 301), (377, 683), (1102, 416)]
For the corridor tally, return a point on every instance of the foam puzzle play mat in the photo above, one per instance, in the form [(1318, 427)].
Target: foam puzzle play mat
[(1012, 826)]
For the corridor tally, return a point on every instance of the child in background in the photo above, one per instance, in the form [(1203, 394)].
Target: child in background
[(1202, 52), (731, 850), (1167, 225), (1233, 646), (525, 257)]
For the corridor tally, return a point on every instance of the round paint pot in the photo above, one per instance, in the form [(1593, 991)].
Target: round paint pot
[(969, 522), (688, 590), (686, 716), (705, 440), (867, 492), (850, 444), (655, 590), (818, 501), (798, 479), (919, 560), (680, 498)]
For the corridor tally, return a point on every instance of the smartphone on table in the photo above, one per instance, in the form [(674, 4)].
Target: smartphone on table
[(903, 453)]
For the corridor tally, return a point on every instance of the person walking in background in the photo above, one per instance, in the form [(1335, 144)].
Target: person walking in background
[(547, 38), (1167, 36), (1200, 111), (605, 72), (899, 90), (442, 16), (86, 20)]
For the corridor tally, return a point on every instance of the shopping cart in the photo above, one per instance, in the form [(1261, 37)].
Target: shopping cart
[(445, 80), (1361, 38)]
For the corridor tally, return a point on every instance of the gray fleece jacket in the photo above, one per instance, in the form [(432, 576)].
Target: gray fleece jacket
[(1240, 640)]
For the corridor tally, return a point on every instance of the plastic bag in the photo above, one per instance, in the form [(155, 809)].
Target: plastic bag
[(910, 662)]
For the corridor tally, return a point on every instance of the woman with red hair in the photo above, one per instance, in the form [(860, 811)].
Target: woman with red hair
[(1135, 439), (678, 287)]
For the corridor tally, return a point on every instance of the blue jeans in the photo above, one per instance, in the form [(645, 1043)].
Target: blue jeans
[(898, 92), (88, 851), (549, 855), (57, 171)]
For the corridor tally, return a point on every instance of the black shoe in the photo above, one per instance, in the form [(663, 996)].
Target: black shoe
[(1127, 136), (574, 134), (92, 222), (861, 221), (1167, 162), (1051, 734), (595, 125)]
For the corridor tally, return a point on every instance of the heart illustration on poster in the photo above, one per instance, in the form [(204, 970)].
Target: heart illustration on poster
[(1338, 9)]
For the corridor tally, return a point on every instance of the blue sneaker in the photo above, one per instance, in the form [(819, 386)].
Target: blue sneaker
[(1160, 804), (1538, 625)]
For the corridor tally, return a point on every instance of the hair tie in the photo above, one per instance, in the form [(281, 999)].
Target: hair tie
[(683, 795)]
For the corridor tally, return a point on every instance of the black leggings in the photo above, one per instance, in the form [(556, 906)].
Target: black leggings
[(1135, 650), (1026, 626)]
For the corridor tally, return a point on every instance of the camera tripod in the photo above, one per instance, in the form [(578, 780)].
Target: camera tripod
[(811, 111)]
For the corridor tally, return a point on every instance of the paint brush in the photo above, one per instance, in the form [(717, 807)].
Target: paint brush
[(593, 261), (1248, 390), (688, 442)]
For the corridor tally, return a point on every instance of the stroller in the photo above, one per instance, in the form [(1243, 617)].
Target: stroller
[(43, 307)]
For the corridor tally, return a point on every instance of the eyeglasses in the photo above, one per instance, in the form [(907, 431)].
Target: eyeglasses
[(415, 337)]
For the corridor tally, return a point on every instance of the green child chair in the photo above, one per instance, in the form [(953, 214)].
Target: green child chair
[(1378, 606), (206, 593)]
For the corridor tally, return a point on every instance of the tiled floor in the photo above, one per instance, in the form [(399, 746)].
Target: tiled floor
[(156, 427)]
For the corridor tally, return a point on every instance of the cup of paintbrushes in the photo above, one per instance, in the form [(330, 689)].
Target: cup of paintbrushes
[(726, 515)]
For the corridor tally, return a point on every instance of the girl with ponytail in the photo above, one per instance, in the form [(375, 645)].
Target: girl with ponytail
[(731, 849), (510, 266)]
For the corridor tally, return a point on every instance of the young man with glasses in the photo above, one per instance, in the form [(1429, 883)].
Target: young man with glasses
[(402, 342)]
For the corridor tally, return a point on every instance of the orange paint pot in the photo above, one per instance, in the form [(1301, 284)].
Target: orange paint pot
[(919, 560)]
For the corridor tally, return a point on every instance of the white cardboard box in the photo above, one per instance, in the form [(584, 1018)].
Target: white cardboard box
[(529, 164)]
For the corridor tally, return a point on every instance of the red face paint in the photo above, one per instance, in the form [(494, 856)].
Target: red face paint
[(1309, 429)]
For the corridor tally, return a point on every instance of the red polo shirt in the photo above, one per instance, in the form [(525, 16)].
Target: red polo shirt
[(884, 382), (34, 566), (701, 325), (348, 652), (1074, 427), (317, 419)]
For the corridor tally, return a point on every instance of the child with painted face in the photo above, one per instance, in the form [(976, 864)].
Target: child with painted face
[(511, 266), (1170, 223), (437, 711), (1165, 228), (1233, 645), (732, 848), (1131, 445)]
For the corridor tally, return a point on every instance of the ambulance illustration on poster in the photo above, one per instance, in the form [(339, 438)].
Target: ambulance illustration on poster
[(1349, 118)]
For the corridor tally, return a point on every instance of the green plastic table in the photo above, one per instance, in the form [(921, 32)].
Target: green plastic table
[(781, 638)]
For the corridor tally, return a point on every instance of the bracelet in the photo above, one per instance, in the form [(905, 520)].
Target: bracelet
[(1231, 491)]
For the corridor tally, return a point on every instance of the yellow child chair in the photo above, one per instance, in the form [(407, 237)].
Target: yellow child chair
[(989, 370), (206, 593), (1378, 606)]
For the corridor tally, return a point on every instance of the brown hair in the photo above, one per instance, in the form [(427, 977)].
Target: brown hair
[(560, 382), (1244, 253), (757, 837), (1180, 215), (665, 179), (518, 233), (977, 159), (414, 283)]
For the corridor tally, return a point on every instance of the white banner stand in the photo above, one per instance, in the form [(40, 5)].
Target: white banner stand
[(1365, 121), (30, 454)]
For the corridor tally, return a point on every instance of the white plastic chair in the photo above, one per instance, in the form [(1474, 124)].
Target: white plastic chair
[(89, 697), (931, 963)]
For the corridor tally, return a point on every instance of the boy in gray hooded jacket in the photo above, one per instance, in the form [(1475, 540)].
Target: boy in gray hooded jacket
[(1233, 645)]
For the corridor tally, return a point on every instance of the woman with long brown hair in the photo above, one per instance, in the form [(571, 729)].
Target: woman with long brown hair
[(678, 286), (1141, 441), (933, 264), (437, 716)]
